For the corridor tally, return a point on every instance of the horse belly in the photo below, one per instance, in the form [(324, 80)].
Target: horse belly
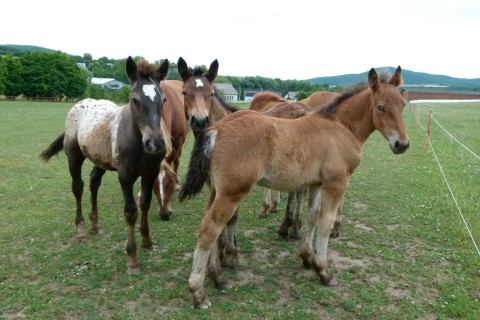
[(286, 179)]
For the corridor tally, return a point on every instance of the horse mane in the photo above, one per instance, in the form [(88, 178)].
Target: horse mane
[(198, 70), (228, 107), (146, 69), (332, 107), (263, 97)]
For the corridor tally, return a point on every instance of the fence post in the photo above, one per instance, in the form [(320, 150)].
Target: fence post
[(415, 112), (428, 132)]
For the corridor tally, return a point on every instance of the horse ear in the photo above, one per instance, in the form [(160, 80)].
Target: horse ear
[(212, 72), (396, 79), (373, 81), (183, 69), (162, 70), (131, 68)]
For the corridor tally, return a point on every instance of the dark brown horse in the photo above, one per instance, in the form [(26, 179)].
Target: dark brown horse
[(320, 150), (132, 140)]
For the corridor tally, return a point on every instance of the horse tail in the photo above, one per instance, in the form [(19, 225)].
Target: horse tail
[(198, 168), (55, 147)]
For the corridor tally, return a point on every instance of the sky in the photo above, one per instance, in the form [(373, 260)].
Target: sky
[(295, 39)]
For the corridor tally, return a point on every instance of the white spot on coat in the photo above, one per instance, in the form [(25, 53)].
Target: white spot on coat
[(199, 82), (149, 91)]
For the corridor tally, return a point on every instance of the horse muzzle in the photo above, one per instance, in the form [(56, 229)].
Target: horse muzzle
[(399, 147), (153, 146), (199, 123)]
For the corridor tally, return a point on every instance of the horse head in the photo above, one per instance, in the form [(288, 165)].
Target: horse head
[(146, 103), (198, 93), (387, 104)]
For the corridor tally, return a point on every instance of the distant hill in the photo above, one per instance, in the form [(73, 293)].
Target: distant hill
[(18, 50), (409, 77)]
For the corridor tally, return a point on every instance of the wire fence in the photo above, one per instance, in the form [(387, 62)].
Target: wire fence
[(427, 132)]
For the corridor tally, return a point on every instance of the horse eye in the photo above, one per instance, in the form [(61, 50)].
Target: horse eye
[(136, 101), (212, 94), (381, 108), (184, 93)]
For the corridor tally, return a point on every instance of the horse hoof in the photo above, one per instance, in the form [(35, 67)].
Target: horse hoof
[(294, 236), (165, 216), (282, 233), (133, 271), (263, 215), (306, 258), (205, 304), (147, 245), (222, 284), (334, 234), (273, 210), (328, 280)]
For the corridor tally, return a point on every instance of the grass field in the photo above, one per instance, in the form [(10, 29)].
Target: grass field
[(403, 252)]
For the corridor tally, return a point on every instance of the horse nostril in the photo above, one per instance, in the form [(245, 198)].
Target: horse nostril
[(397, 144), (149, 145)]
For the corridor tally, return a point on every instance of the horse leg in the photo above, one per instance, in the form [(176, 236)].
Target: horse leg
[(167, 189), (130, 210), (338, 221), (332, 194), (213, 222), (145, 200), (227, 242), (266, 205), (306, 248), (297, 221), (287, 220), (75, 162), (274, 200), (95, 180)]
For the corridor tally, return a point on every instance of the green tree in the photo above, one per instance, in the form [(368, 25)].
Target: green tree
[(52, 75), (13, 82), (3, 76)]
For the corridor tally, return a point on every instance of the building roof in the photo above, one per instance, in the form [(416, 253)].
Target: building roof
[(225, 88), (101, 80)]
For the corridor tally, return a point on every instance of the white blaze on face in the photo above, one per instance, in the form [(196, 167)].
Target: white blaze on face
[(199, 82), (149, 91)]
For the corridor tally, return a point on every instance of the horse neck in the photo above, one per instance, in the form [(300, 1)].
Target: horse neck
[(217, 111), (356, 115)]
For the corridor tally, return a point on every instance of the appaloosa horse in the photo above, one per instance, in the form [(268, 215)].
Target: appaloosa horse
[(320, 150), (132, 140)]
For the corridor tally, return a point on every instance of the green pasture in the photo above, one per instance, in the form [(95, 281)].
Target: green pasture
[(403, 252)]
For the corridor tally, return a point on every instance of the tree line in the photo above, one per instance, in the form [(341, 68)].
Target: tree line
[(57, 75)]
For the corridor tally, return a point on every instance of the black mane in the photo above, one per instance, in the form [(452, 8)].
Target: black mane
[(198, 70), (226, 106)]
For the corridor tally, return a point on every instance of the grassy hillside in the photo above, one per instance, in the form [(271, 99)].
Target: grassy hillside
[(17, 50), (410, 78)]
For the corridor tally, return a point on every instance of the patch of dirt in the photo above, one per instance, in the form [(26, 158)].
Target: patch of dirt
[(247, 277), (363, 227), (391, 227), (360, 206), (11, 315), (398, 293), (250, 233), (343, 263)]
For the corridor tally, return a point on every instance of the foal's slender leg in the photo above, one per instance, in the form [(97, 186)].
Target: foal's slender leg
[(95, 180), (231, 247), (338, 222), (332, 194), (267, 203), (274, 200), (145, 200), (297, 222), (167, 184), (75, 161), (130, 210), (213, 222), (314, 203), (287, 220)]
